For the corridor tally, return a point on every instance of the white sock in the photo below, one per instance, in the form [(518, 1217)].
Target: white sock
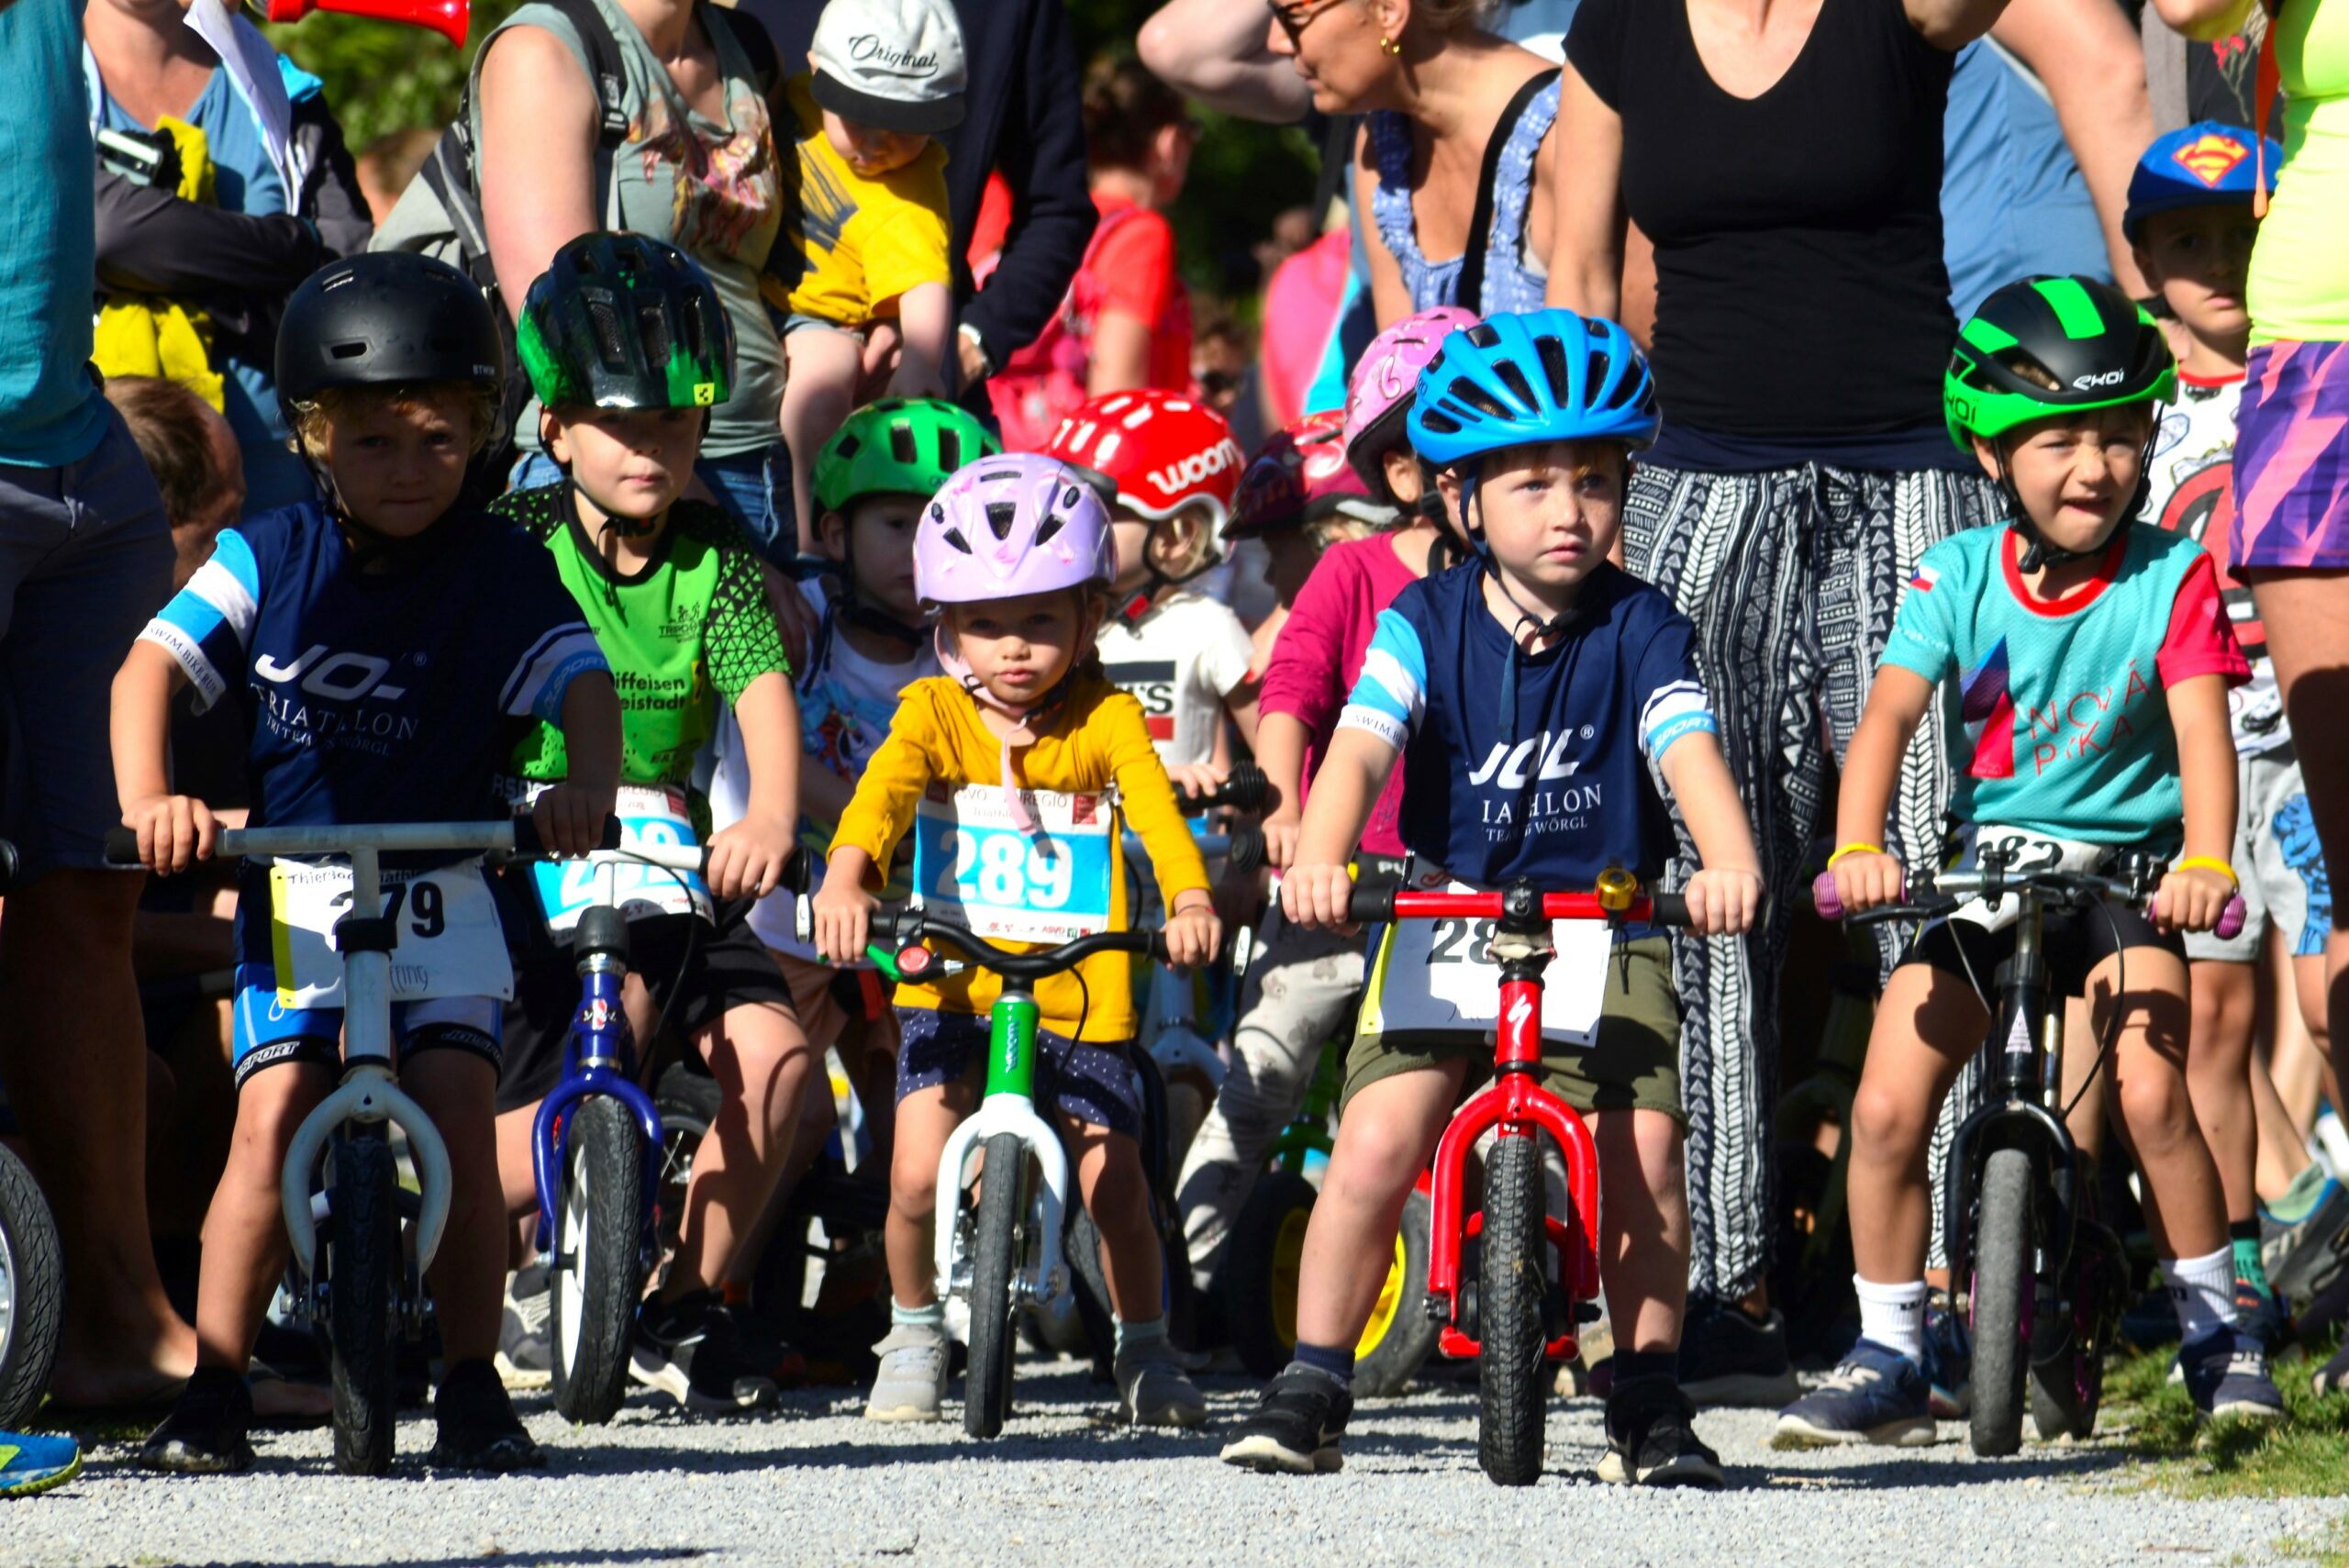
[(1894, 1315), (2203, 1291)]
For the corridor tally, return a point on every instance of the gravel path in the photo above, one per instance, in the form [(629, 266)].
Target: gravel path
[(1065, 1485)]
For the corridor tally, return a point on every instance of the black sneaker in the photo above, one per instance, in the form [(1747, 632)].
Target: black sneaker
[(525, 1346), (1649, 1441), (206, 1432), (1728, 1358), (478, 1428), (688, 1349), (764, 1346), (1296, 1426)]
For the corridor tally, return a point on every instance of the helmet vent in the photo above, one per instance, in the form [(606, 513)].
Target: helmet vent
[(1552, 351), (1048, 528), (351, 349), (652, 331), (604, 322), (901, 444), (1437, 420), (950, 450), (954, 537), (999, 518), (1509, 375), (850, 445), (1483, 401), (1482, 336)]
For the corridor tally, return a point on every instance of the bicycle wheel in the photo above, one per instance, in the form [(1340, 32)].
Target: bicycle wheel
[(986, 1388), (1509, 1319), (32, 1293), (1260, 1271), (597, 1277), (363, 1263), (2068, 1379), (686, 1102), (2002, 1297), (1401, 1336)]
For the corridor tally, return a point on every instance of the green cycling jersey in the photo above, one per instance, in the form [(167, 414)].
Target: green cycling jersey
[(690, 630)]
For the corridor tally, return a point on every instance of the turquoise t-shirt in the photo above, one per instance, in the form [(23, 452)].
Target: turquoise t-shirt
[(245, 181), (2056, 712), (51, 411)]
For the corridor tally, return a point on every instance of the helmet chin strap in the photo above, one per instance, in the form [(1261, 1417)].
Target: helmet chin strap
[(1029, 719)]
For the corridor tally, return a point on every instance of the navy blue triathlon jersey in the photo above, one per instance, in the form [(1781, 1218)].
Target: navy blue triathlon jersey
[(379, 696), (1561, 788)]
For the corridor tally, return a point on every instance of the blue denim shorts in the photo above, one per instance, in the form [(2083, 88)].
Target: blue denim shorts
[(1094, 1084)]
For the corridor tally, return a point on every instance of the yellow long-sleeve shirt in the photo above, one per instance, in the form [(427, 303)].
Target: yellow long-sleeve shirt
[(1099, 739)]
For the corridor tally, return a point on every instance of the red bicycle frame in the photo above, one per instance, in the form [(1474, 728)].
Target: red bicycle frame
[(1515, 1103)]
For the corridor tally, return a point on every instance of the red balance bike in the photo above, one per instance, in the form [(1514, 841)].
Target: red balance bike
[(1514, 1319)]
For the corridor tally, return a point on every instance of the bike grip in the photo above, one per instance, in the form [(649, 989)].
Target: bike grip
[(1667, 909), (1370, 903), (1824, 898), (1245, 787), (2230, 919), (1246, 852), (528, 842), (798, 875), (122, 849)]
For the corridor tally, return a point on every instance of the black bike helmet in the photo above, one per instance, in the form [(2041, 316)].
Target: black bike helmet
[(384, 318), (2092, 342), (622, 321)]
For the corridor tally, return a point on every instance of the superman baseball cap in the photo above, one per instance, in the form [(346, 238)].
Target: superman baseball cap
[(2208, 163), (891, 64)]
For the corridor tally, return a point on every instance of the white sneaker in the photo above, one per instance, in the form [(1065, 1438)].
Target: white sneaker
[(912, 1383)]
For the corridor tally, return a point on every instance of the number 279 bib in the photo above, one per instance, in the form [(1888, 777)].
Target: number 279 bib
[(448, 941), (974, 864)]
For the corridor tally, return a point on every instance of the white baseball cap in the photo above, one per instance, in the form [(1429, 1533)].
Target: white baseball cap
[(891, 64)]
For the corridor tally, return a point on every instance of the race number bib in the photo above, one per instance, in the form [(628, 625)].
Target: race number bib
[(2026, 851), (450, 943), (974, 866), (1439, 977), (568, 889)]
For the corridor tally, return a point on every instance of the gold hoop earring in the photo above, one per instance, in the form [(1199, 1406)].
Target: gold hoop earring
[(1389, 46)]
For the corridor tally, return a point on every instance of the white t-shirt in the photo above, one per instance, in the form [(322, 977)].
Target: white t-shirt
[(2193, 493), (1185, 657), (846, 702)]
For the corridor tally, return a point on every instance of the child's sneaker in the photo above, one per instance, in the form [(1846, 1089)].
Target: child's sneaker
[(2333, 1377), (2226, 1373), (912, 1383), (478, 1428), (1296, 1426), (1728, 1357), (2260, 1314), (1949, 1359), (205, 1434), (1875, 1396), (1649, 1441), (35, 1462), (1155, 1390), (687, 1349), (525, 1351)]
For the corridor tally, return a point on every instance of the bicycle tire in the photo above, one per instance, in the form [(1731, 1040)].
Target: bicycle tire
[(2066, 1390), (987, 1385), (597, 1278), (2002, 1296), (1511, 1290), (32, 1293), (1081, 1245), (686, 1102), (1401, 1335), (363, 1261)]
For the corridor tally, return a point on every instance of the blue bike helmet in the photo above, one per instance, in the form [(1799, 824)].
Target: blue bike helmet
[(1547, 376), (2208, 163)]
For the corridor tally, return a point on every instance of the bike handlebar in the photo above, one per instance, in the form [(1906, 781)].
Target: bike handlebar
[(1953, 888), (512, 838), (909, 928), (1245, 788), (1380, 903)]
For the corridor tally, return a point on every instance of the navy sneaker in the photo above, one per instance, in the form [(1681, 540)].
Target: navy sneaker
[(1949, 1359), (1296, 1426), (1728, 1357), (1876, 1395), (2260, 1314), (2226, 1373)]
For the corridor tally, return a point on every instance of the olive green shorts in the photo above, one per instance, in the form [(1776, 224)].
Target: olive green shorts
[(1633, 1066)]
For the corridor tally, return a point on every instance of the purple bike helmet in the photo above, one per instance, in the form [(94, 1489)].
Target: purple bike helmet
[(1012, 524), (1379, 394)]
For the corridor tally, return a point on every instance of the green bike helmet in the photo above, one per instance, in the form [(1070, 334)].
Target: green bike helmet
[(622, 321), (2092, 342), (900, 445)]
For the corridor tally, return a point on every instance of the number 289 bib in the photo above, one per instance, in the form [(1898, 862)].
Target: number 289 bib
[(974, 864), (448, 941), (1438, 978)]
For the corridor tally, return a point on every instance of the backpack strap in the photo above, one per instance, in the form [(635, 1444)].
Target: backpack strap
[(751, 36), (1471, 293), (604, 68)]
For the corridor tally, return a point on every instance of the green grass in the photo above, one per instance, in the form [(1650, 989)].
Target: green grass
[(2306, 1455)]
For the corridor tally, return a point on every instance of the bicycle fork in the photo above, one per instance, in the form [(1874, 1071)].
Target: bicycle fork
[(600, 1061), (1009, 1105)]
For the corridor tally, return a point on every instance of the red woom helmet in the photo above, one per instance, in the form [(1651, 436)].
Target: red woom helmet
[(1162, 451), (1300, 477)]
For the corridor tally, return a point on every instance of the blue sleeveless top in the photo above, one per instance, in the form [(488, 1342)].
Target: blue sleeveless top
[(1510, 284)]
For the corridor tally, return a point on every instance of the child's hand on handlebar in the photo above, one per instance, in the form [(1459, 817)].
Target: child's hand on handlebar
[(1724, 902), (174, 830), (1865, 880), (571, 817), (748, 858), (843, 917), (1317, 896), (1280, 836), (2191, 900), (1194, 778), (1193, 933)]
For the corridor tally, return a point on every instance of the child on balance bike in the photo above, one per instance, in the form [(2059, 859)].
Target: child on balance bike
[(1534, 695)]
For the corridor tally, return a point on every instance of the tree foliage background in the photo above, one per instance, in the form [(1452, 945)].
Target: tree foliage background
[(382, 78)]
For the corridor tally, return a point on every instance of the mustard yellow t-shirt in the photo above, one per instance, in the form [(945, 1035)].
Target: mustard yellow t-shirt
[(851, 246), (1100, 739)]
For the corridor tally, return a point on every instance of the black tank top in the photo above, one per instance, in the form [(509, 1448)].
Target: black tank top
[(1801, 299)]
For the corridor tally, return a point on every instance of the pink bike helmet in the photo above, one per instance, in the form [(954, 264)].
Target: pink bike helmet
[(1012, 524), (1379, 394), (1301, 476)]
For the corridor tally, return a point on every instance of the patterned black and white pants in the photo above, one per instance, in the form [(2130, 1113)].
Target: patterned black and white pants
[(1792, 577)]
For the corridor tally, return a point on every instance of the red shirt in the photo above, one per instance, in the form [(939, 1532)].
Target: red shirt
[(1132, 269)]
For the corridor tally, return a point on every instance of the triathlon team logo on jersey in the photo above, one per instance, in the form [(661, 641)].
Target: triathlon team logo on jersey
[(335, 698), (1522, 789), (1151, 682)]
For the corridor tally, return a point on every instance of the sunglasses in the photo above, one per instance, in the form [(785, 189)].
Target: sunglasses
[(1294, 19)]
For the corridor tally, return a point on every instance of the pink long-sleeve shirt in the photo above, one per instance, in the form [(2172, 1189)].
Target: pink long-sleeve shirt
[(1320, 652)]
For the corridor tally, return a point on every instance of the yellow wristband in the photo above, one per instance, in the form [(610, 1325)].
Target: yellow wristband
[(2209, 863), (1854, 850)]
